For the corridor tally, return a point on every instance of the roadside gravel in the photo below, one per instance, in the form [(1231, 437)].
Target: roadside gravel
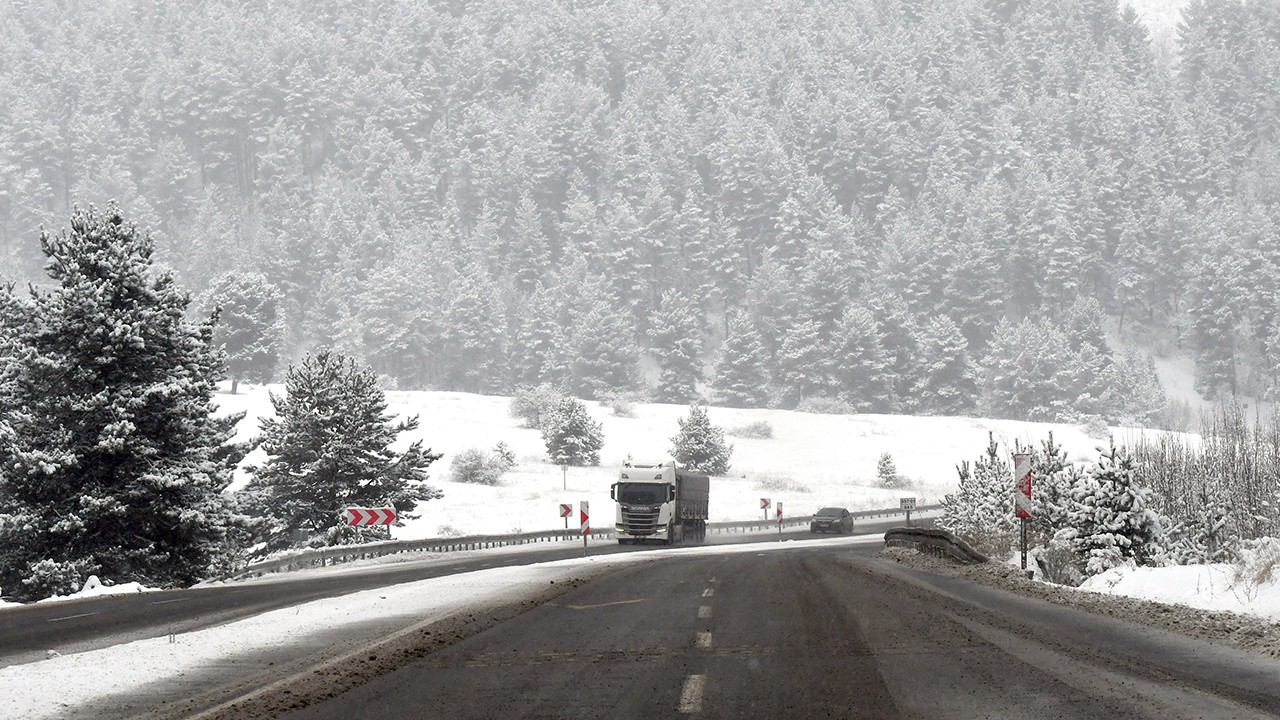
[(1243, 632)]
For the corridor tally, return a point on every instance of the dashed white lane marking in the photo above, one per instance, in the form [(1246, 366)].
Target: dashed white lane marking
[(691, 696), (708, 592), (72, 617), (704, 611), (704, 639), (166, 602)]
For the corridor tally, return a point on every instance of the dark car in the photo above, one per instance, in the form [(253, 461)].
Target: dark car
[(831, 519)]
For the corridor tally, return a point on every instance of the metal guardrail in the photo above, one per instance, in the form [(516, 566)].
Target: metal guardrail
[(320, 557), (934, 542)]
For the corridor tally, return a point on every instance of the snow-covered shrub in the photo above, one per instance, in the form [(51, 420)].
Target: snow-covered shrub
[(623, 404), (1258, 561), (1095, 426), (532, 403), (48, 578), (758, 430), (477, 467), (1177, 416), (1058, 564), (504, 451), (781, 484), (825, 406)]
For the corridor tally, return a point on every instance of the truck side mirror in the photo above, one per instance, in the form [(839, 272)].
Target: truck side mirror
[(613, 491), (671, 493)]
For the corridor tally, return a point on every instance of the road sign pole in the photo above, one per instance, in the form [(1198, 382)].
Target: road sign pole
[(1025, 523), (779, 521), (908, 517), (586, 525), (564, 477), (1022, 497)]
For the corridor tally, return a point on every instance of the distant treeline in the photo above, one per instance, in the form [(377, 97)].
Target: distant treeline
[(891, 205)]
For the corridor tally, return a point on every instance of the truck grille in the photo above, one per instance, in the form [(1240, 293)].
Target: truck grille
[(640, 520)]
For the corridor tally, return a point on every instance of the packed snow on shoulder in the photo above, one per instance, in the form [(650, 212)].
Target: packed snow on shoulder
[(1219, 587)]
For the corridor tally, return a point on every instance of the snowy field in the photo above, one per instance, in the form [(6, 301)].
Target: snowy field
[(811, 461)]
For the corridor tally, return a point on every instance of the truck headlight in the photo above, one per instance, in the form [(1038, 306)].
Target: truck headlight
[(661, 529)]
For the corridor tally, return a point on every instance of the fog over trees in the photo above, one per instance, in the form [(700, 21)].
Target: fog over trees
[(882, 205)]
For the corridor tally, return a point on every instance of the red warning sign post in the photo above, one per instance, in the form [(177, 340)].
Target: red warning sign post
[(1022, 507), (583, 508)]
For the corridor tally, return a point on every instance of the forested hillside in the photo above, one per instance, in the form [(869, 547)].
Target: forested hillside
[(884, 205)]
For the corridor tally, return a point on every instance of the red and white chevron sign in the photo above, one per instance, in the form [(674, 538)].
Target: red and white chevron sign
[(364, 517), (1022, 506)]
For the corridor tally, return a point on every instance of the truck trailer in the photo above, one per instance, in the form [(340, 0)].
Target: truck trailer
[(660, 503)]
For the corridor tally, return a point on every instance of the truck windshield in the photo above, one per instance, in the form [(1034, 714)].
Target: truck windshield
[(642, 493)]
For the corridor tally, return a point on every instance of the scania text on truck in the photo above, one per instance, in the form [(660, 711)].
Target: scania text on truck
[(661, 503)]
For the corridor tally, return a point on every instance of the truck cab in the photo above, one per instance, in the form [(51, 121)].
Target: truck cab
[(661, 502)]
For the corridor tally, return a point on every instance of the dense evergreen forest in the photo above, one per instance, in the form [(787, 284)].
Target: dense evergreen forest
[(878, 205)]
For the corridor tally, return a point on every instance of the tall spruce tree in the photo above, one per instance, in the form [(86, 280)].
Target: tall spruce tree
[(861, 367), (329, 447), (676, 339), (111, 462), (948, 384), (247, 325), (742, 376)]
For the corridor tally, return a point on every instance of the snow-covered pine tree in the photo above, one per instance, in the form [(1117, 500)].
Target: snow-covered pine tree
[(1051, 479), (570, 434), (111, 462), (247, 325), (901, 337), (699, 445), (805, 364), (959, 514), (887, 473), (948, 384), (537, 340), (861, 367), (742, 376), (1210, 535), (676, 339), (1110, 520), (329, 447), (603, 355), (981, 511), (472, 347)]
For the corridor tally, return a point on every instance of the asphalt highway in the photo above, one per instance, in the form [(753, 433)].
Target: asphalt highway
[(27, 633), (814, 632)]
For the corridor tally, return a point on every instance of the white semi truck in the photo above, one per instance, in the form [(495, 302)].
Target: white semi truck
[(660, 503)]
